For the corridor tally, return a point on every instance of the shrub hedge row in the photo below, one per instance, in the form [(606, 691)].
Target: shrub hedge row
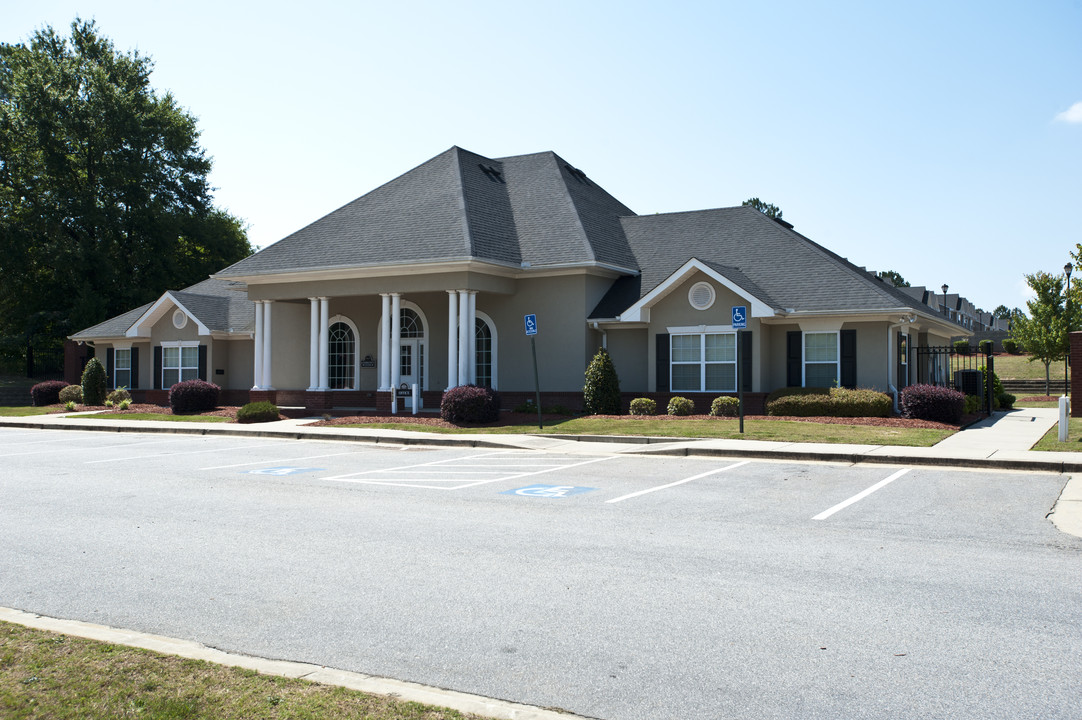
[(828, 402)]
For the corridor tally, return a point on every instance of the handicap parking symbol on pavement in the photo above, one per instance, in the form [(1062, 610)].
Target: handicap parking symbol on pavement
[(283, 470), (548, 491)]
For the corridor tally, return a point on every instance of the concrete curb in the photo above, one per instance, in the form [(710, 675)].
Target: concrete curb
[(398, 689)]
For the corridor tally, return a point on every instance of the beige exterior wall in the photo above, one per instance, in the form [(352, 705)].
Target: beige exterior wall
[(629, 352)]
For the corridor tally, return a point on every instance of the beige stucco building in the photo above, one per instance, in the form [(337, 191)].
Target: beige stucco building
[(427, 280)]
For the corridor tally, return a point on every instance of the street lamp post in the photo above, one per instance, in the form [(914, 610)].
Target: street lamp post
[(1067, 311), (945, 310)]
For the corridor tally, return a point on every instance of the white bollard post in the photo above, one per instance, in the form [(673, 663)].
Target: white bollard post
[(416, 398), (1064, 414)]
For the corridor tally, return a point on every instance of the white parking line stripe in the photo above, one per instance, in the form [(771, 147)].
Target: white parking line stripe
[(402, 467), (678, 482), (861, 495), (264, 462), (80, 449), (517, 476), (193, 452), (416, 468)]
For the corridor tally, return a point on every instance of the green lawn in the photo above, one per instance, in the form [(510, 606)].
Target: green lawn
[(1050, 442), (1018, 367), (724, 428), (154, 416), (24, 411), (45, 675)]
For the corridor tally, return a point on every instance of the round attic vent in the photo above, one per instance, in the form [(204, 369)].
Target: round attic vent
[(701, 296), (180, 319)]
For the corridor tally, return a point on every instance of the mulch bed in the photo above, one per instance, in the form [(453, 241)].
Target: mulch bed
[(229, 411), (528, 418)]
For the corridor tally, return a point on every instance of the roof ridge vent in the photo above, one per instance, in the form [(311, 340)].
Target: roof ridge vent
[(492, 173), (577, 174)]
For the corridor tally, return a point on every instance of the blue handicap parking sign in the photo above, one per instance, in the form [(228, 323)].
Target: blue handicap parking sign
[(548, 491), (740, 317), (531, 324)]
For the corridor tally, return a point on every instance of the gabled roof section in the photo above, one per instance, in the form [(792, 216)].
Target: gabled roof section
[(760, 307), (792, 273), (213, 305)]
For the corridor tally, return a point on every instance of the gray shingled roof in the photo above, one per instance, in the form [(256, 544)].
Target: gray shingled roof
[(789, 270), (218, 304), (458, 206)]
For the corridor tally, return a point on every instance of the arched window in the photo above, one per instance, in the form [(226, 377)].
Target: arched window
[(411, 324), (484, 353), (342, 355)]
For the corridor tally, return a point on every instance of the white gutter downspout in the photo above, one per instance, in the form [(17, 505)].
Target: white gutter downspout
[(604, 335)]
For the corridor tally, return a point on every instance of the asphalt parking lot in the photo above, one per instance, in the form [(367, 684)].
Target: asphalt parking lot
[(611, 586)]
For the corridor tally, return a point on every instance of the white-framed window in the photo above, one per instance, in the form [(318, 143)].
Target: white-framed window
[(822, 354), (341, 356), (180, 361), (702, 362), (122, 367)]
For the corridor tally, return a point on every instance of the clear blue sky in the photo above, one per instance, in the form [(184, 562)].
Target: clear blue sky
[(939, 139)]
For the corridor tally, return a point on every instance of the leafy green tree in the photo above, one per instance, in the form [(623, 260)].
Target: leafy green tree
[(1001, 312), (601, 394), (771, 211), (894, 278), (1043, 332), (104, 199)]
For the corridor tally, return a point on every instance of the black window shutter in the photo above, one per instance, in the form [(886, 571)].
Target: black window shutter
[(794, 358), (662, 362), (202, 362), (134, 368), (849, 358), (157, 367), (109, 355), (745, 361)]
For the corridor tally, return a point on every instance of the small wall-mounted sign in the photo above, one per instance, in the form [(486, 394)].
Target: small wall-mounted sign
[(368, 362)]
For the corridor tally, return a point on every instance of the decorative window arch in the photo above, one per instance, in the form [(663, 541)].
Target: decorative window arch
[(343, 369), (486, 351), (414, 327)]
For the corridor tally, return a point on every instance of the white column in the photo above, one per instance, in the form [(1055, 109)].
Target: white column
[(385, 344), (396, 340), (257, 347), (463, 338), (452, 338), (267, 304), (313, 343), (471, 325), (324, 343)]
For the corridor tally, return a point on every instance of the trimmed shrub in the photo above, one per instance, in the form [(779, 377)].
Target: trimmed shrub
[(47, 393), (930, 402), (1010, 346), (470, 404), (985, 347), (787, 391), (961, 346), (94, 383), (601, 393), (258, 412), (832, 402), (193, 396), (1006, 400), (644, 406), (725, 407), (973, 404), (681, 406), (118, 396), (72, 393)]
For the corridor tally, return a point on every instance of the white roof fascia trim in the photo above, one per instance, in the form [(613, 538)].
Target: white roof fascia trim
[(140, 328), (635, 312)]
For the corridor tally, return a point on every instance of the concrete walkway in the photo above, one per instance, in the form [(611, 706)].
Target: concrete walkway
[(1001, 442)]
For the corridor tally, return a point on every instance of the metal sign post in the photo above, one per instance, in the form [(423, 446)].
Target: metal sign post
[(531, 332), (740, 323)]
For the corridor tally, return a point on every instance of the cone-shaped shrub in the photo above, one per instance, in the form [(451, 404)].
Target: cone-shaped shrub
[(94, 382), (601, 394)]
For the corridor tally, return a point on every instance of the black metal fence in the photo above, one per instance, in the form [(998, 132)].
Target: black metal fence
[(945, 367), (34, 364)]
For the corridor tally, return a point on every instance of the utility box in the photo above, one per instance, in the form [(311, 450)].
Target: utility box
[(970, 382)]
